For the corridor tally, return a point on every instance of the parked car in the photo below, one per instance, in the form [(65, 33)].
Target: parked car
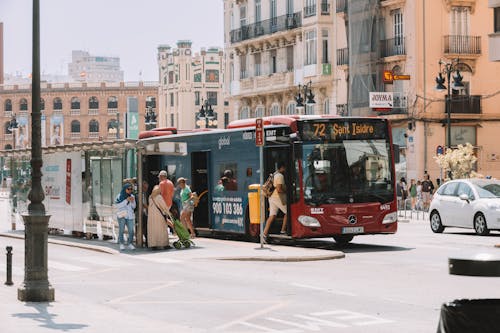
[(466, 203)]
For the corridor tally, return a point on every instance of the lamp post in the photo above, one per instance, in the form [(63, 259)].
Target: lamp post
[(207, 115), (150, 118), (36, 286), (13, 190), (305, 90), (446, 68), (117, 125)]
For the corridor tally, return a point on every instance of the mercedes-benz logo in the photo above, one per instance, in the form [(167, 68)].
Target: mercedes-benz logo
[(352, 219)]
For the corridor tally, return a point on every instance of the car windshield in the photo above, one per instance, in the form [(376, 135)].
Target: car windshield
[(488, 189), (347, 171)]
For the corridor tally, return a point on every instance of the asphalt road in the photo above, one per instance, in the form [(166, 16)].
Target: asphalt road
[(385, 283)]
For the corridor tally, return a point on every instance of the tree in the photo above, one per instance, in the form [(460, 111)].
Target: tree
[(458, 162)]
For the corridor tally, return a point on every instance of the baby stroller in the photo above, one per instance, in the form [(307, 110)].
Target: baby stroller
[(182, 233)]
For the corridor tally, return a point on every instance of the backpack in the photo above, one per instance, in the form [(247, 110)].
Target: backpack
[(426, 186), (268, 187)]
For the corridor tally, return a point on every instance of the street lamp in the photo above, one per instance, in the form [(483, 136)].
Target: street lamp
[(150, 118), (207, 115), (306, 91), (446, 68), (12, 128)]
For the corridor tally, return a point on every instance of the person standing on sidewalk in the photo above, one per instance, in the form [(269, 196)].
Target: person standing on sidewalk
[(125, 205), (277, 200), (157, 221), (187, 205), (427, 190)]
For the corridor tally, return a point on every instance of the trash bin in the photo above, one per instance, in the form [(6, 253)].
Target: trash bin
[(254, 203), (474, 315)]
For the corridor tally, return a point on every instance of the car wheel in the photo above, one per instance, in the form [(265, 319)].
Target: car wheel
[(480, 225), (343, 240), (436, 225)]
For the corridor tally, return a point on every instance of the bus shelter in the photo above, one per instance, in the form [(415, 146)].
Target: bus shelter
[(80, 182)]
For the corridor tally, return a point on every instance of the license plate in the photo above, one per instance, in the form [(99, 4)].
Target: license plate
[(353, 230)]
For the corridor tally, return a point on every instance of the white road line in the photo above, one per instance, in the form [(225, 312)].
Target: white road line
[(65, 267), (145, 291), (268, 329), (308, 323), (336, 292), (244, 319)]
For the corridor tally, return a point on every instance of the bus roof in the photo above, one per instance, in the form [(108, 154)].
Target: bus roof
[(288, 120)]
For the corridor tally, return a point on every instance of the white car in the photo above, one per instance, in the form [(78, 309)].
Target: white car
[(466, 203)]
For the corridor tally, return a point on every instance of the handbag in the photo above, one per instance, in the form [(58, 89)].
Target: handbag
[(122, 214)]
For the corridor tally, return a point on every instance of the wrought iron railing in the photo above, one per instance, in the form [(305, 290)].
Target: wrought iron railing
[(393, 46), (466, 104), (266, 27), (343, 56), (309, 11), (458, 44)]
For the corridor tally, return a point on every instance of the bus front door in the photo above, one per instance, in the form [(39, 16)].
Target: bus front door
[(199, 184)]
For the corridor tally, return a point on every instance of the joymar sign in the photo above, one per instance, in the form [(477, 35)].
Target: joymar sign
[(381, 100)]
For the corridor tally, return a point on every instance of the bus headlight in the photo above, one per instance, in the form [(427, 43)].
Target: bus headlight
[(308, 221), (390, 218)]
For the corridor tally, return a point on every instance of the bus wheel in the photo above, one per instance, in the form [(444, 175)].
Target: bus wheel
[(342, 240)]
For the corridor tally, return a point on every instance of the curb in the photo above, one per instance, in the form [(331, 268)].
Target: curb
[(339, 255), (70, 244)]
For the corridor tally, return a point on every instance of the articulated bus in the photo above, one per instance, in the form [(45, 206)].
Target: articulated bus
[(340, 177)]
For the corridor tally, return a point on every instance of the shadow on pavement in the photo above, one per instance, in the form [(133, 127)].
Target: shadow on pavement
[(45, 318)]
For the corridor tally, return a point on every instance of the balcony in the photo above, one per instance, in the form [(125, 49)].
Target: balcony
[(341, 6), (393, 47), (343, 57), (267, 27), (466, 104), (462, 45), (309, 11)]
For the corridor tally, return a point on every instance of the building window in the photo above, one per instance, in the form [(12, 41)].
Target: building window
[(57, 104), (460, 135), (325, 56), (289, 58), (310, 8), (310, 47), (257, 62), (8, 105), (496, 15), (94, 126), (326, 106), (459, 21), (245, 112), (243, 67), (170, 77), (172, 120), (112, 102), (397, 18), (275, 110), (23, 105), (257, 11), (75, 103), (75, 126), (309, 109), (289, 7), (259, 111), (42, 104), (93, 103), (290, 109), (274, 15), (212, 97), (273, 63), (171, 99), (196, 98), (243, 16)]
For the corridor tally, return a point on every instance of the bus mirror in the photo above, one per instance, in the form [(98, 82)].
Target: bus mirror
[(395, 149), (297, 150)]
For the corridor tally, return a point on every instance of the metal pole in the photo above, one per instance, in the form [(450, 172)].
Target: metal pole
[(117, 125), (261, 197), (36, 286), (448, 110), (9, 282)]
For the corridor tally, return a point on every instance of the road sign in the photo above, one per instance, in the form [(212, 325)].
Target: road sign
[(259, 132), (401, 77)]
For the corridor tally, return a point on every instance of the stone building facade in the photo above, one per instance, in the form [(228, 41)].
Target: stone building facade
[(187, 81), (76, 112)]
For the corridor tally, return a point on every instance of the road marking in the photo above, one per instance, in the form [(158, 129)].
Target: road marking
[(65, 267), (308, 323), (336, 292), (268, 329), (350, 315), (145, 291), (244, 319)]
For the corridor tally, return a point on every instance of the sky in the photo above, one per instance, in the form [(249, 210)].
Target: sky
[(128, 29)]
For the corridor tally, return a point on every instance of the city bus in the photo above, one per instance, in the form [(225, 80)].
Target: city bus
[(340, 176)]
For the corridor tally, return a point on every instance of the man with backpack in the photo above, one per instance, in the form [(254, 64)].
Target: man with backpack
[(277, 200), (427, 190)]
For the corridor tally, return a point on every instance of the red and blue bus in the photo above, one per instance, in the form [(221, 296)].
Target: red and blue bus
[(340, 176)]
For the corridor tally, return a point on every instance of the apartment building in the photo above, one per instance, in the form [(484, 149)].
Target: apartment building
[(189, 82), (275, 48), (85, 67), (76, 112), (401, 47)]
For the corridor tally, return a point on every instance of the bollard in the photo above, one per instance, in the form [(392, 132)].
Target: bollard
[(9, 266)]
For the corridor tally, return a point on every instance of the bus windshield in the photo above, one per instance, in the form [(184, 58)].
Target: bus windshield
[(347, 171)]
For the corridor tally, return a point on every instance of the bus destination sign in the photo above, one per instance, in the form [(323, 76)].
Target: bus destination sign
[(343, 130)]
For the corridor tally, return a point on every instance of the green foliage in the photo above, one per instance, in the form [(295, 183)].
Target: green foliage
[(459, 161)]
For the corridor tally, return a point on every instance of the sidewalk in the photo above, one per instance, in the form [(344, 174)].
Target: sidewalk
[(205, 248)]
